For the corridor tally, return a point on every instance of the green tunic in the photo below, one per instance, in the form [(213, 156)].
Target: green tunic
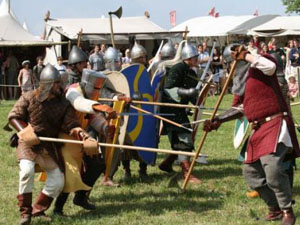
[(179, 76)]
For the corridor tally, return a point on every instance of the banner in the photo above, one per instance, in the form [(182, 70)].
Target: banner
[(173, 18)]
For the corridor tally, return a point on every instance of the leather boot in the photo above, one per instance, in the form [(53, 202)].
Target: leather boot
[(59, 204), (185, 166), (41, 204), (288, 217), (143, 172), (81, 199), (274, 213), (126, 166), (166, 165), (25, 201)]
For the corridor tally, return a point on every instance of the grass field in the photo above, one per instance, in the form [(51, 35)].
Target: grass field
[(220, 199)]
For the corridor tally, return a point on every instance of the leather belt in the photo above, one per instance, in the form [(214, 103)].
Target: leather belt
[(256, 124)]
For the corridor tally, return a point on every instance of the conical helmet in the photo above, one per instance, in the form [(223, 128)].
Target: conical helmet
[(112, 55), (77, 55), (189, 51), (168, 51), (137, 51)]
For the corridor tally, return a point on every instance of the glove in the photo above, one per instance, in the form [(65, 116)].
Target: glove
[(127, 100), (191, 92), (109, 112), (28, 136), (209, 125), (239, 56), (90, 147), (79, 134)]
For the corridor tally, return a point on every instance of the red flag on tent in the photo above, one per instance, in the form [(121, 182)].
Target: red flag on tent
[(255, 12), (217, 15), (212, 12), (173, 18)]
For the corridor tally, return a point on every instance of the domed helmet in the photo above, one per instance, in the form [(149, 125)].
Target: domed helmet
[(137, 51), (92, 82), (77, 55), (112, 59), (48, 76), (189, 51), (228, 51), (168, 51)]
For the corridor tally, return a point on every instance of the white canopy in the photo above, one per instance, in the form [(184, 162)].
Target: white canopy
[(280, 23), (12, 33), (208, 26), (99, 28)]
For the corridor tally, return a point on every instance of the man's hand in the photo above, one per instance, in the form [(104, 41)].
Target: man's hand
[(28, 136), (109, 112), (209, 125), (90, 147), (239, 56), (127, 100)]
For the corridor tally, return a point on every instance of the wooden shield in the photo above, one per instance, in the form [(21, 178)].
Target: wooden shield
[(240, 131), (141, 129), (200, 103), (117, 82)]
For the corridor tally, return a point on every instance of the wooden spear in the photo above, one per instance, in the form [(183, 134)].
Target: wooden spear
[(295, 103), (211, 118), (129, 147), (161, 118), (153, 103)]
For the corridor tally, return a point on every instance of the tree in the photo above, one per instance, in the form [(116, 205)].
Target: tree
[(292, 6)]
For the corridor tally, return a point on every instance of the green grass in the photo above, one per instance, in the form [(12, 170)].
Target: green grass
[(220, 199)]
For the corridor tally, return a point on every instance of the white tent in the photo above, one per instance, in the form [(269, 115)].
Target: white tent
[(278, 26), (99, 28), (12, 33), (208, 26)]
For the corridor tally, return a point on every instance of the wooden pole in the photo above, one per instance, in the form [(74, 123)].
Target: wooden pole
[(295, 103), (153, 103), (161, 118), (129, 147), (211, 118), (112, 31)]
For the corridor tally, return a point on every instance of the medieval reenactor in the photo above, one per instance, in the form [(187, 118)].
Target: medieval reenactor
[(138, 54), (43, 112), (77, 61), (93, 117), (273, 140), (179, 87)]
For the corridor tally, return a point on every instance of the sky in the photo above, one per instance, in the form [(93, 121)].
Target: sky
[(33, 11)]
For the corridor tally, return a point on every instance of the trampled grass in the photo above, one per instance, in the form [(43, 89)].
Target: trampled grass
[(220, 199)]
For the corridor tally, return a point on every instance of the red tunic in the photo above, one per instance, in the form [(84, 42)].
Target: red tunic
[(263, 98)]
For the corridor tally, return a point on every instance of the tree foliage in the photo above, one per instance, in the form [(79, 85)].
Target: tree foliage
[(292, 6)]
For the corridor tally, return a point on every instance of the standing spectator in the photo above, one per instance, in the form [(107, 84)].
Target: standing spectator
[(25, 78), (288, 48), (62, 69), (256, 41), (252, 48), (217, 68), (203, 56), (176, 45), (11, 66), (103, 49), (96, 60), (264, 49), (60, 66), (294, 57), (37, 69), (126, 59), (270, 43), (293, 87)]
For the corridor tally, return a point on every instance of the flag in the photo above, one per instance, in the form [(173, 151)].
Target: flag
[(255, 12), (212, 12), (173, 18), (217, 15)]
